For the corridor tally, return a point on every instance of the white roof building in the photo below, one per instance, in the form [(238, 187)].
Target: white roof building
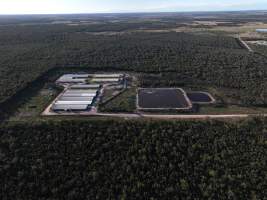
[(85, 86), (81, 91), (73, 102), (262, 30), (73, 78), (79, 95), (107, 75), (105, 80), (59, 107), (64, 98)]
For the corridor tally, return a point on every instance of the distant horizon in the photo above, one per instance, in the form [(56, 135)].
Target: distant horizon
[(136, 12), (50, 7)]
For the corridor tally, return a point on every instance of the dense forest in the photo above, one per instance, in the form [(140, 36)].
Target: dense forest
[(28, 51), (127, 159), (134, 160)]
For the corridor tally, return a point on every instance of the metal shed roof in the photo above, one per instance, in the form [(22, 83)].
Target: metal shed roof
[(59, 107), (81, 91), (262, 30), (107, 75), (85, 86), (79, 95), (73, 78), (103, 80), (74, 102), (62, 98), (76, 75)]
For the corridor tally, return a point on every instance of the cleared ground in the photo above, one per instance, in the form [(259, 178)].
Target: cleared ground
[(125, 102)]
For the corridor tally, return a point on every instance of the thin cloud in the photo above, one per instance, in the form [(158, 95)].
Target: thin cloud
[(103, 6), (202, 6)]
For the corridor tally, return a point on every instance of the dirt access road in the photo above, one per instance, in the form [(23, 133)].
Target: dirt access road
[(94, 112), (153, 116), (245, 44)]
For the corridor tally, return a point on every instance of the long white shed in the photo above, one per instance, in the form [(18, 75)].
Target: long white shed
[(74, 102), (64, 98), (105, 80), (81, 91), (107, 75), (61, 107), (79, 95), (85, 86)]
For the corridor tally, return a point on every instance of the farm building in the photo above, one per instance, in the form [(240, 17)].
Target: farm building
[(76, 98), (60, 107), (64, 98), (107, 76), (82, 91), (73, 78), (79, 95), (261, 30), (106, 80), (83, 78), (74, 103), (85, 86)]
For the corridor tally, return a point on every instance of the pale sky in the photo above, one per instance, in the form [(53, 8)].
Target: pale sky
[(109, 6)]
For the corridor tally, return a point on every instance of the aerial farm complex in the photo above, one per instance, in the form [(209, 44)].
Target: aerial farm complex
[(83, 94), (82, 90)]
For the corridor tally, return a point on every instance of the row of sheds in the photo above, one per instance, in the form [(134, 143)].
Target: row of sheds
[(77, 98)]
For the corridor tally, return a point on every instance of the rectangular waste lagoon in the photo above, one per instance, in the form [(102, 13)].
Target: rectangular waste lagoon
[(162, 99)]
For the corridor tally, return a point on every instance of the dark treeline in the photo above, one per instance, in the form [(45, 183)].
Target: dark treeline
[(28, 51), (133, 160)]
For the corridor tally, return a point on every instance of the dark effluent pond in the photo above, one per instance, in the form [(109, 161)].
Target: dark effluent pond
[(199, 97), (162, 98)]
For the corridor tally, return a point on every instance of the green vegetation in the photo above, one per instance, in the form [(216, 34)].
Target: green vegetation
[(35, 105), (243, 94), (229, 109), (262, 49), (111, 93), (73, 158), (217, 60), (134, 160), (125, 102)]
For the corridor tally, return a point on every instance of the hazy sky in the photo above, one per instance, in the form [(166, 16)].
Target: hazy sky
[(98, 6)]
